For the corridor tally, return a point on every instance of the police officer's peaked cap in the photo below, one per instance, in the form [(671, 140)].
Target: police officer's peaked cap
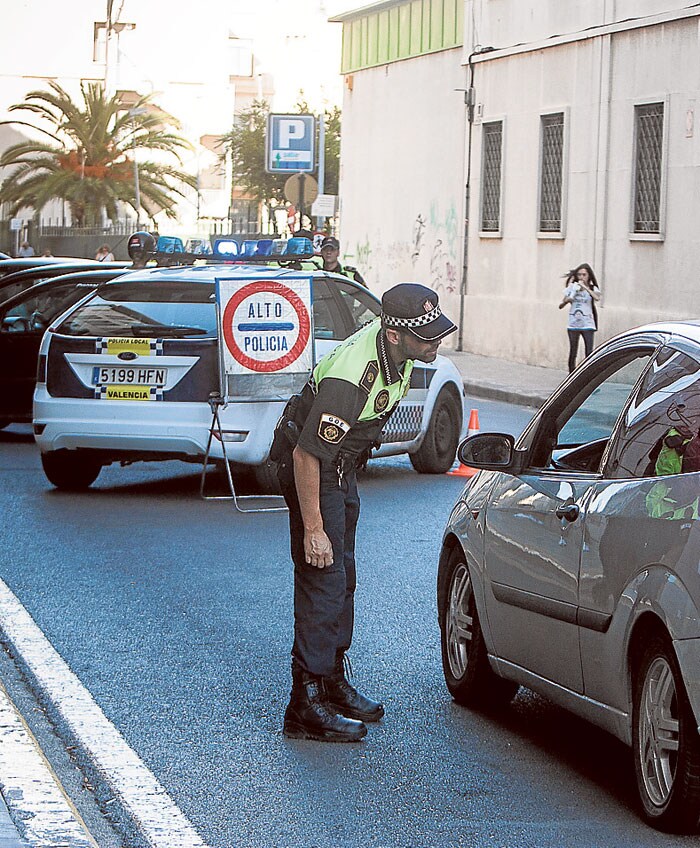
[(416, 308), (330, 241)]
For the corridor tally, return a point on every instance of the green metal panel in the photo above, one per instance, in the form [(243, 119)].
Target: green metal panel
[(416, 28), (394, 25), (383, 44), (437, 34), (409, 28), (372, 39), (404, 31), (364, 63)]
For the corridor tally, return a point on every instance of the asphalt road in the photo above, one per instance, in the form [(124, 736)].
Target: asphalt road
[(176, 615)]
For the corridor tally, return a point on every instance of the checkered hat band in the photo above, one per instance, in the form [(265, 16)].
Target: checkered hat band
[(421, 321)]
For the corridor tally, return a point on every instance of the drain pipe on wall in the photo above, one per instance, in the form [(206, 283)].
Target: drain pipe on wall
[(470, 102)]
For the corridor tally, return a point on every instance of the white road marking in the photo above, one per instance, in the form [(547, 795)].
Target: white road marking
[(32, 792), (141, 797)]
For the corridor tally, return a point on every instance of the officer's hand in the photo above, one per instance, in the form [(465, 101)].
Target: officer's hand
[(318, 549)]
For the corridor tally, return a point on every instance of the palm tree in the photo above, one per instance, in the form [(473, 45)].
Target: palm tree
[(90, 160)]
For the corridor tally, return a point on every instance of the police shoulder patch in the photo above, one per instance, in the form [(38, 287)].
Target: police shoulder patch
[(381, 401), (332, 429), (369, 376)]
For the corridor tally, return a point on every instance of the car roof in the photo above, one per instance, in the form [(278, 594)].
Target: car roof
[(228, 270), (688, 329), (56, 268), (95, 277)]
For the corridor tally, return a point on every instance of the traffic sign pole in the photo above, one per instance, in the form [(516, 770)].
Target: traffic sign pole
[(321, 161)]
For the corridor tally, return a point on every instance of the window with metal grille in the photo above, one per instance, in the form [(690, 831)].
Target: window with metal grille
[(552, 140), (649, 142), (492, 138)]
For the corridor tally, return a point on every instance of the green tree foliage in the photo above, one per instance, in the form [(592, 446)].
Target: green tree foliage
[(89, 161), (244, 145)]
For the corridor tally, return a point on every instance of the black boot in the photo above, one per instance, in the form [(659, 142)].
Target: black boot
[(308, 715), (343, 697)]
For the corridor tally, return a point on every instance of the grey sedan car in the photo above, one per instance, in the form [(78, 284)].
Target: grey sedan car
[(570, 563)]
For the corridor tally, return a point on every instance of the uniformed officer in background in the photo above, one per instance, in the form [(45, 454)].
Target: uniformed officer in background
[(335, 422), (330, 250)]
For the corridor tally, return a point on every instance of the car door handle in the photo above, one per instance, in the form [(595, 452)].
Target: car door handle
[(568, 511)]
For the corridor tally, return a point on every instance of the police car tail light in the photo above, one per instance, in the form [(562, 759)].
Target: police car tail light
[(231, 435), (299, 247), (41, 368), (227, 248)]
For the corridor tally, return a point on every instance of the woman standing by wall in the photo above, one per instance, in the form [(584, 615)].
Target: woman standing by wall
[(582, 291)]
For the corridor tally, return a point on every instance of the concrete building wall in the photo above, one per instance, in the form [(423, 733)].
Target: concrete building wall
[(402, 181), (514, 281)]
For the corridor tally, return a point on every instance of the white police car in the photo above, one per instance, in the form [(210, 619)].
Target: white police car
[(127, 373)]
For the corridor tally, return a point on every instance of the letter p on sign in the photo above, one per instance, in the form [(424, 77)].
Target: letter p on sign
[(289, 130)]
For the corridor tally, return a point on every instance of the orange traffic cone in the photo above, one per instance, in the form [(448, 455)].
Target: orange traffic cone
[(465, 470)]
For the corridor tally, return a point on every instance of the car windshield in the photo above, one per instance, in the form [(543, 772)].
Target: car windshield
[(146, 309)]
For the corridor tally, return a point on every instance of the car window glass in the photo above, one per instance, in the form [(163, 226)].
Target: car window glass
[(35, 313), (660, 430), (576, 439), (150, 310), (328, 323), (363, 307)]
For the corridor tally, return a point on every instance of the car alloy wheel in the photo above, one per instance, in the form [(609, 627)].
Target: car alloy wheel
[(666, 743), (658, 731), (459, 621), (465, 663)]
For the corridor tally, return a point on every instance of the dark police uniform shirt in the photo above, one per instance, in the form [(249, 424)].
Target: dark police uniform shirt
[(352, 392), (348, 271)]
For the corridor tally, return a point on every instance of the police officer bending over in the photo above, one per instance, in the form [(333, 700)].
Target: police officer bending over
[(335, 422), (330, 250)]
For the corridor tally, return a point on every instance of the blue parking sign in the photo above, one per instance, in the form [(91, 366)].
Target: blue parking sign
[(290, 144)]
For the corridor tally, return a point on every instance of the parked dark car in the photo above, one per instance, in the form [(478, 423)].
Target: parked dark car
[(9, 266), (23, 320), (17, 281), (570, 562)]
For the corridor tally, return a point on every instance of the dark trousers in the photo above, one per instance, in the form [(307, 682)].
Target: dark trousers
[(324, 598), (573, 345)]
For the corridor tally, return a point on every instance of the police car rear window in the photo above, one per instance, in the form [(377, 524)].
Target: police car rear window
[(146, 310)]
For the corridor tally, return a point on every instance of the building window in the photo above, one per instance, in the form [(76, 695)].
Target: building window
[(649, 142), (551, 176), (492, 143)]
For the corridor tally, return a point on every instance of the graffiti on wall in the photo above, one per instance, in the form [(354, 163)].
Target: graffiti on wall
[(425, 248)]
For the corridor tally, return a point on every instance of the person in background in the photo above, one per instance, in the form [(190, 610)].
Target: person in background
[(104, 254), (326, 433), (581, 294), (330, 249), (25, 250), (47, 252)]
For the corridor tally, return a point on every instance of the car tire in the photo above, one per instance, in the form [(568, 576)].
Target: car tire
[(437, 451), (71, 471), (666, 743), (468, 673)]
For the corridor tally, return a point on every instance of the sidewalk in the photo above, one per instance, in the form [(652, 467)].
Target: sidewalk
[(511, 382)]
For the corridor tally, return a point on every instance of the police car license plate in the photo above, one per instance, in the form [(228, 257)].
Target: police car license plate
[(115, 376)]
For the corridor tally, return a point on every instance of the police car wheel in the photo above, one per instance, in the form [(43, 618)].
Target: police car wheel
[(72, 471), (468, 674), (439, 446)]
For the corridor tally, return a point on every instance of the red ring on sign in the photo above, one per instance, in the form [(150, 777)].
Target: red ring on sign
[(298, 306)]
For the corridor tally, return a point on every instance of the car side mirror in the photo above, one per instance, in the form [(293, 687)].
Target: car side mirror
[(491, 451)]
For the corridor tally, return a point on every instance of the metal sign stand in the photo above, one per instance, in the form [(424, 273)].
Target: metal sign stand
[(216, 402)]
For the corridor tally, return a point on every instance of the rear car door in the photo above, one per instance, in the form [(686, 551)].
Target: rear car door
[(535, 521)]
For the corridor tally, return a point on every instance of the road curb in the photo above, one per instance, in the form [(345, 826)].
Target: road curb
[(506, 395), (126, 790), (38, 805)]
